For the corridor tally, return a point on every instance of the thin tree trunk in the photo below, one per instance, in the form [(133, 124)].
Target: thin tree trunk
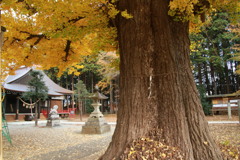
[(66, 82), (207, 79), (80, 105), (199, 74), (237, 77), (39, 109), (222, 83), (227, 78), (214, 87), (158, 93), (84, 105), (80, 109), (73, 91), (92, 87), (36, 115), (234, 78)]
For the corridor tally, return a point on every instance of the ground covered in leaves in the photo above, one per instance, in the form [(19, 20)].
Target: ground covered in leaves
[(227, 136), (58, 143), (65, 142)]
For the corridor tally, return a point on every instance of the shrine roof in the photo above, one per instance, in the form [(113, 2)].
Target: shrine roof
[(19, 83)]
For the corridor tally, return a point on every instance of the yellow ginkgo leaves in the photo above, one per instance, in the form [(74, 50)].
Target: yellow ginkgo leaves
[(54, 33)]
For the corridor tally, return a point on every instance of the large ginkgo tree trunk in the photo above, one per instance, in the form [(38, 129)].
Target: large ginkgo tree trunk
[(157, 89)]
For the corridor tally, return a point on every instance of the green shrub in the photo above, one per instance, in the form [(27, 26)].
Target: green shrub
[(205, 102)]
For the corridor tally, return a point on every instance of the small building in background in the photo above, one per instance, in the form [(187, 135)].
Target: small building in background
[(17, 84), (220, 102)]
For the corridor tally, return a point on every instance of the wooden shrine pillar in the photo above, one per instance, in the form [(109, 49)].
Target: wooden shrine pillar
[(17, 110), (67, 104)]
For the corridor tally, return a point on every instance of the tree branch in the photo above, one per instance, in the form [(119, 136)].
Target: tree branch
[(28, 7), (14, 40), (199, 9), (31, 36), (67, 49), (75, 19), (69, 21)]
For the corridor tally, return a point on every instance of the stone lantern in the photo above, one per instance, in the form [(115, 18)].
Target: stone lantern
[(96, 123)]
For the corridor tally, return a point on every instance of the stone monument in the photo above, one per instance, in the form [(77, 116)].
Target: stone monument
[(96, 123), (54, 119)]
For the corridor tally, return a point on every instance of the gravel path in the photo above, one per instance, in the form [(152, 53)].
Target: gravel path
[(79, 151), (58, 143)]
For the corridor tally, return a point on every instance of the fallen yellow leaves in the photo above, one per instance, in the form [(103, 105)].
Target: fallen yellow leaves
[(146, 148)]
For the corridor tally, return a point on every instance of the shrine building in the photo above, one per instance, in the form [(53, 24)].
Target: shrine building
[(17, 84)]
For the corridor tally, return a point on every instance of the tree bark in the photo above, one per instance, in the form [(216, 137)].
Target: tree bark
[(36, 115), (80, 108), (157, 86)]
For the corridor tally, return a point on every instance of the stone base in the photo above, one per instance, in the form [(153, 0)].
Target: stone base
[(53, 123), (96, 125)]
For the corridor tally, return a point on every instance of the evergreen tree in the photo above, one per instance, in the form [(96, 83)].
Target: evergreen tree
[(37, 90), (81, 94), (205, 103), (212, 52)]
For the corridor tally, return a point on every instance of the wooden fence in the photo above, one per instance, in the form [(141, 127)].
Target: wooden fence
[(229, 107)]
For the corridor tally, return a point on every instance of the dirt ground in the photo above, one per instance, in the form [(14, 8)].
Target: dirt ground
[(108, 118), (222, 118), (66, 143), (58, 143), (113, 117)]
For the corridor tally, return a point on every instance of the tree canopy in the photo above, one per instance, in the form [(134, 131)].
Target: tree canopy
[(58, 33), (54, 33)]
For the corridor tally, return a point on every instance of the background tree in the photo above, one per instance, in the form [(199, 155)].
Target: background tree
[(90, 74), (81, 93), (236, 30), (206, 105), (37, 91), (109, 85), (212, 55), (86, 71)]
